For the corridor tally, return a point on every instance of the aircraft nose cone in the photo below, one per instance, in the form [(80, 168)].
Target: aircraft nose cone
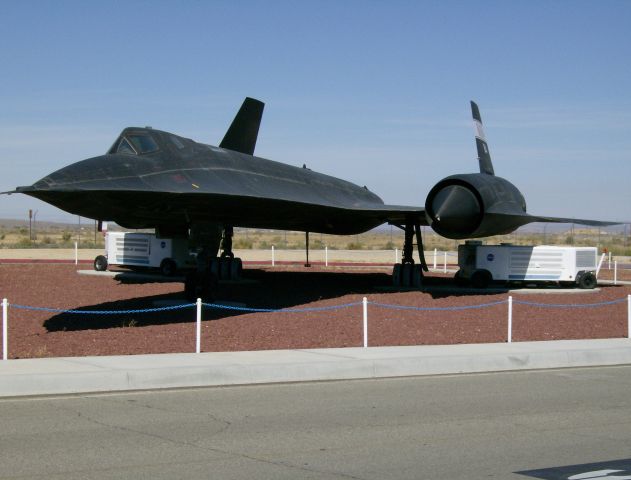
[(456, 207)]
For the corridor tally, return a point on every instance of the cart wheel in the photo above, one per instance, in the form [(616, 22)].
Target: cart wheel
[(100, 263), (481, 278), (459, 279), (587, 280), (168, 267)]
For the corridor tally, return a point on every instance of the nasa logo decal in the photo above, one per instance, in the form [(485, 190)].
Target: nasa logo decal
[(615, 469), (490, 257), (163, 244)]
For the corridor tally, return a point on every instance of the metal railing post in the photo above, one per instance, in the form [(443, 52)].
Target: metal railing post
[(5, 328), (510, 319), (198, 334), (365, 310), (273, 259)]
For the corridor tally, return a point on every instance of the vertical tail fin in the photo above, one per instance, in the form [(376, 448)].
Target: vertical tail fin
[(484, 157), (244, 129)]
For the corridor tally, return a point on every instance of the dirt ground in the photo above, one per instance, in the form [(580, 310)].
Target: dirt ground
[(59, 286)]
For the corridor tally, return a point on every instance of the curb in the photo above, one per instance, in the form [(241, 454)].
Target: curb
[(72, 375)]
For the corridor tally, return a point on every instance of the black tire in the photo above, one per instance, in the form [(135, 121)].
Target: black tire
[(236, 268), (396, 275), (224, 268), (168, 268), (100, 263), (587, 280), (459, 279), (481, 279)]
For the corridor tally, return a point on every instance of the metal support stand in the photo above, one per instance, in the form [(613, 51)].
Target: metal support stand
[(408, 245), (226, 242), (307, 248)]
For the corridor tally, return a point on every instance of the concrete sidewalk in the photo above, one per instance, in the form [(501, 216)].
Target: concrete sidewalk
[(138, 372)]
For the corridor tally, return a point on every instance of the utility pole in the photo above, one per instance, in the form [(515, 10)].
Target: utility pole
[(30, 224)]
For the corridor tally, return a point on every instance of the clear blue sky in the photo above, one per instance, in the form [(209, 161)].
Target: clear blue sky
[(373, 92)]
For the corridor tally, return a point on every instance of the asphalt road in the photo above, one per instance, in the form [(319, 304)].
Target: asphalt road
[(452, 427)]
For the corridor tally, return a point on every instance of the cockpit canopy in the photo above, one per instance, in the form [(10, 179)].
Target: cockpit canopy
[(134, 143)]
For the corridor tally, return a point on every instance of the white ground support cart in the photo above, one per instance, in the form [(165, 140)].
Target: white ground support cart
[(130, 249), (482, 264)]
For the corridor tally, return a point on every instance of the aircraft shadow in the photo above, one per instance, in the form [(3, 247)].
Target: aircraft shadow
[(262, 289)]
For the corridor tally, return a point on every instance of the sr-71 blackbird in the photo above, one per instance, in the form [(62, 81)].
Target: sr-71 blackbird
[(155, 179)]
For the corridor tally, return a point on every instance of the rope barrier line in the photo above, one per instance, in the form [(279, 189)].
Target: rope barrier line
[(314, 309), (189, 305), (281, 310), (199, 305), (102, 312), (430, 309), (571, 305)]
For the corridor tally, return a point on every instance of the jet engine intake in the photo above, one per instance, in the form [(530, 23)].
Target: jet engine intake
[(455, 209)]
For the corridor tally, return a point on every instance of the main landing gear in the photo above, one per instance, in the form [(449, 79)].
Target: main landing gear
[(407, 273), (202, 283)]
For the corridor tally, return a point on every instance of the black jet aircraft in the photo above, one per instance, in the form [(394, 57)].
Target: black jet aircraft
[(155, 179)]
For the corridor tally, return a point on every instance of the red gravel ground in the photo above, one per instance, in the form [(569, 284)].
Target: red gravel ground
[(42, 334)]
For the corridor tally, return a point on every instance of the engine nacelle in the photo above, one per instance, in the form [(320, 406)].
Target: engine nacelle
[(474, 205)]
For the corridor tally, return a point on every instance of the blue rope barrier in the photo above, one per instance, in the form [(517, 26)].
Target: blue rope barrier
[(190, 305), (281, 310), (315, 309), (102, 312), (465, 307), (570, 305)]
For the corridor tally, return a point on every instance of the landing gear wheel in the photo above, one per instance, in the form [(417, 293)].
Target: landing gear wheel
[(168, 267), (226, 268), (481, 279), (100, 263), (587, 280), (236, 268), (406, 275)]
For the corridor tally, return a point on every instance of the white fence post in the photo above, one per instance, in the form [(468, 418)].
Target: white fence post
[(365, 308), (273, 259), (76, 253), (510, 319), (198, 335), (326, 256), (5, 328), (609, 260), (396, 255), (435, 254), (600, 264), (445, 264), (629, 316), (615, 272)]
